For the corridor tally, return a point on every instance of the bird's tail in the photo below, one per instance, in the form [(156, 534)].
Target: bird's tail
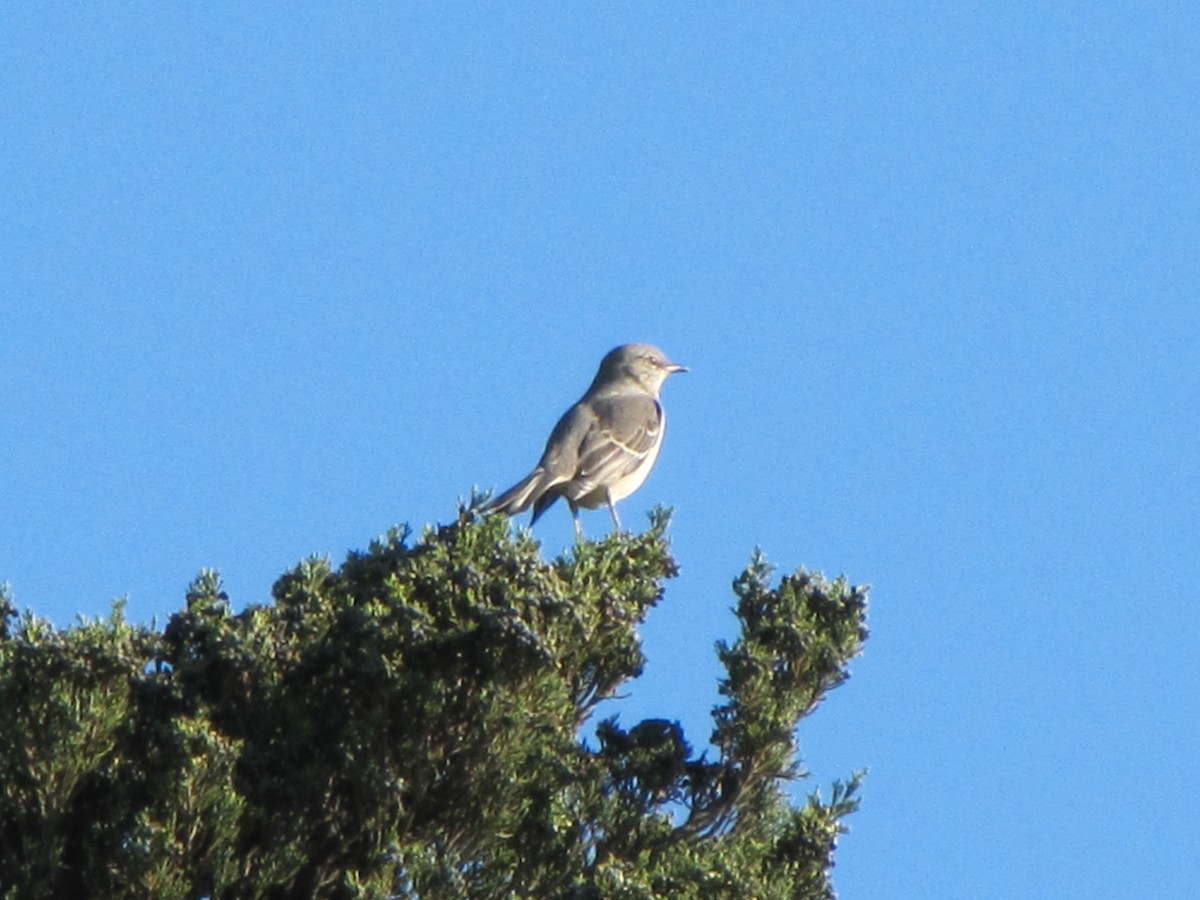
[(518, 498)]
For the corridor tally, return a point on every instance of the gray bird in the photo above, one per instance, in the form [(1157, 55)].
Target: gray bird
[(604, 446)]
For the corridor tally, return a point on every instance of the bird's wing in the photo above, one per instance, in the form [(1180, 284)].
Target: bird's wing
[(626, 429), (558, 465), (561, 456)]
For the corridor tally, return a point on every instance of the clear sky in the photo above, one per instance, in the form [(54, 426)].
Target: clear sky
[(275, 278)]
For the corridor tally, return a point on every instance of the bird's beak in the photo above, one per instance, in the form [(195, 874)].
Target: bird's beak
[(672, 368)]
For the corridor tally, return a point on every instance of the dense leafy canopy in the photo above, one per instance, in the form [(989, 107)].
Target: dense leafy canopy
[(418, 723)]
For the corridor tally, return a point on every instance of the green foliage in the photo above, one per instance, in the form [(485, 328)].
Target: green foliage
[(411, 724)]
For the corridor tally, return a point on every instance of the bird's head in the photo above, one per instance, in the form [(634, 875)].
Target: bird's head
[(644, 364)]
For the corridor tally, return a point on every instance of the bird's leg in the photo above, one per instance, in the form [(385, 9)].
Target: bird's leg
[(575, 519), (612, 508)]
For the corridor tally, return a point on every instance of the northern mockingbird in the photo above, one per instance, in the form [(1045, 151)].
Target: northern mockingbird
[(605, 445)]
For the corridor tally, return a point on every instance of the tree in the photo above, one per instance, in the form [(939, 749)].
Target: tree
[(418, 723)]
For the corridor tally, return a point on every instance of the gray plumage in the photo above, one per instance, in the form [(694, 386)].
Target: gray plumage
[(604, 446)]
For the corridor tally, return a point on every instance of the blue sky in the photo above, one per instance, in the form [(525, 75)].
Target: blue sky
[(276, 278)]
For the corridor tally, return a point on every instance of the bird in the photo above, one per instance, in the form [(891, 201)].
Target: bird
[(603, 447)]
